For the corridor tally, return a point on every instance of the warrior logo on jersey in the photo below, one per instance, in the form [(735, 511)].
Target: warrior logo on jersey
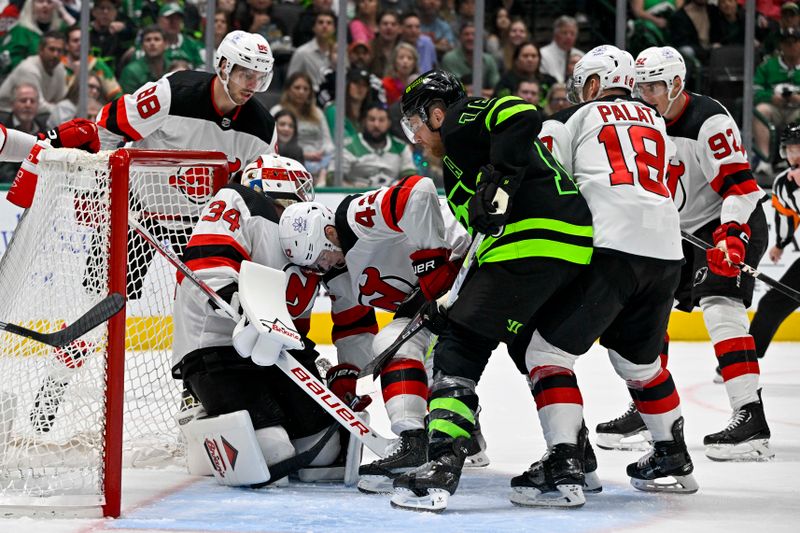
[(382, 292), (195, 184)]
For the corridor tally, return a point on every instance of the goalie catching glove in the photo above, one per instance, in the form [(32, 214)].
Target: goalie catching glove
[(724, 261), (434, 270), (490, 208)]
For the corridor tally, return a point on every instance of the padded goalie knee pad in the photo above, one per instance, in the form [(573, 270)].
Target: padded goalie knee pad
[(274, 444), (725, 318), (327, 455)]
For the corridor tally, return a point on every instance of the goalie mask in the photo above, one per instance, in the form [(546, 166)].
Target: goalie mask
[(613, 67), (303, 239), (284, 180)]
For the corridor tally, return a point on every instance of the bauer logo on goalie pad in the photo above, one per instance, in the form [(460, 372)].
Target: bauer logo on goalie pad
[(279, 327), (215, 454)]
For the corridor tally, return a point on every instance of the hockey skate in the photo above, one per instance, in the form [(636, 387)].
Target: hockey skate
[(407, 453), (667, 459), (558, 479), (591, 482), (428, 487), (477, 457), (626, 432), (746, 438)]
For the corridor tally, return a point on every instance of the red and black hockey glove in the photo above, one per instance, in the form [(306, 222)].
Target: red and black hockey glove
[(435, 271), (491, 206), (75, 133), (342, 382), (24, 186), (736, 237)]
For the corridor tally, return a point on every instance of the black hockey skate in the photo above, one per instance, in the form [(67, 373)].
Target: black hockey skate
[(591, 482), (667, 459), (409, 452), (746, 438), (476, 449), (557, 480), (626, 432), (428, 487)]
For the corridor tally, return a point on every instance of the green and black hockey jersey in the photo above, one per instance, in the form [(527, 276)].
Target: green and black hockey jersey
[(549, 217)]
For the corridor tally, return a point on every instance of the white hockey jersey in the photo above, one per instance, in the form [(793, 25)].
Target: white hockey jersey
[(709, 176), (178, 112), (379, 231), (239, 224), (617, 150)]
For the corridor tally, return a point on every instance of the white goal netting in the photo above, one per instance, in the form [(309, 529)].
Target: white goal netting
[(57, 432)]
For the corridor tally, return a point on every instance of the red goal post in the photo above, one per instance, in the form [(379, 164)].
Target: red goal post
[(67, 415)]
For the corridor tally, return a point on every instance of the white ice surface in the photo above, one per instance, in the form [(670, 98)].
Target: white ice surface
[(752, 497)]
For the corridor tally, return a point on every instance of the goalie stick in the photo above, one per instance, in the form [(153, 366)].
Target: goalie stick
[(102, 311), (371, 371), (747, 269), (286, 361)]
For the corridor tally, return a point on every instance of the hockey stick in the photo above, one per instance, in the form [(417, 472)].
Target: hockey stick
[(747, 269), (102, 311), (286, 362), (371, 371), (281, 469)]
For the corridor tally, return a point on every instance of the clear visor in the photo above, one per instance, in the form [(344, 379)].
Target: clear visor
[(574, 91), (250, 79), (412, 124), (326, 260), (649, 90)]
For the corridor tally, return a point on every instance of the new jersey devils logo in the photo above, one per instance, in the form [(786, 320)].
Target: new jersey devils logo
[(301, 289), (195, 184), (234, 166)]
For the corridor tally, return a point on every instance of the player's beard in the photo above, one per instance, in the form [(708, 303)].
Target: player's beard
[(436, 150)]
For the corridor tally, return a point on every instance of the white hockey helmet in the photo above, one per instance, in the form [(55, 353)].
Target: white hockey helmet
[(613, 66), (302, 232), (283, 179), (248, 50), (660, 63)]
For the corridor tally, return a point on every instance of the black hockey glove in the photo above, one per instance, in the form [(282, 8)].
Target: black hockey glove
[(490, 207), (434, 316)]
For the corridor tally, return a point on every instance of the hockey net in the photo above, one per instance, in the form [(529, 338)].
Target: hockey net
[(62, 436)]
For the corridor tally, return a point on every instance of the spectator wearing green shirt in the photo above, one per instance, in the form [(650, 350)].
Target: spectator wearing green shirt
[(36, 18), (170, 20), (151, 67), (110, 88), (459, 60), (777, 92)]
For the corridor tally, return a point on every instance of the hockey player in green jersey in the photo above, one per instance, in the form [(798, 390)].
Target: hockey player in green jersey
[(500, 180)]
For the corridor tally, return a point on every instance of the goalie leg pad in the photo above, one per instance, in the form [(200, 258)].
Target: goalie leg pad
[(325, 466), (197, 462), (231, 447)]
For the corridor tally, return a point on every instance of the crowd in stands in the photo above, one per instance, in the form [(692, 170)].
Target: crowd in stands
[(529, 50)]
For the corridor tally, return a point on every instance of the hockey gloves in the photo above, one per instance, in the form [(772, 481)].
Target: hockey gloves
[(434, 315), (75, 133), (736, 237), (490, 207), (435, 271), (24, 186), (342, 382)]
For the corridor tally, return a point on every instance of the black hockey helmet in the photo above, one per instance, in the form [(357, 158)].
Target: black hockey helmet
[(789, 135), (433, 86)]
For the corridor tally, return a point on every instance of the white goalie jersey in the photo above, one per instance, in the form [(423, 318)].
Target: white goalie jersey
[(239, 224), (379, 231), (709, 176), (617, 151)]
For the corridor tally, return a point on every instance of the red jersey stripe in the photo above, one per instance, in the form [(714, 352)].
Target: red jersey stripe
[(223, 240), (123, 123)]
